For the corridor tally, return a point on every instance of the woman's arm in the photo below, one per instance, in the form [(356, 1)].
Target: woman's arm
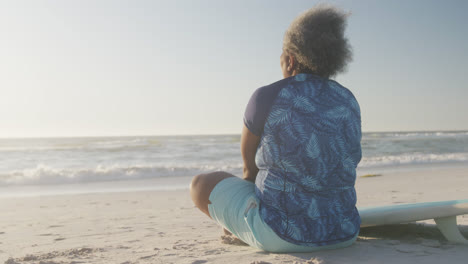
[(249, 144)]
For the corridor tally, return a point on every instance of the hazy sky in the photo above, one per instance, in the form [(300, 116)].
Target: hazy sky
[(97, 68)]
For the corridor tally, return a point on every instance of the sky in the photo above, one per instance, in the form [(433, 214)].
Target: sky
[(116, 68)]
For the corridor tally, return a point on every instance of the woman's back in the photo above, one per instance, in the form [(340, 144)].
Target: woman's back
[(308, 153)]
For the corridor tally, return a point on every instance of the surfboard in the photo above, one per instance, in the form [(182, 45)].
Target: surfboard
[(444, 214)]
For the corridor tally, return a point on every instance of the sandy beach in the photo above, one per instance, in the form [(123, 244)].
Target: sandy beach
[(109, 109), (165, 227)]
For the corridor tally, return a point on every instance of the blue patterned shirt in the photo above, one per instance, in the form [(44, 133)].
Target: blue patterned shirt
[(310, 130)]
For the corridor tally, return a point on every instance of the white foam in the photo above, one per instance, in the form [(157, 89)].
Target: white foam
[(47, 175), (422, 134), (83, 160), (408, 159)]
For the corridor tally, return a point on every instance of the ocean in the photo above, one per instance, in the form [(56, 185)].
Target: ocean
[(46, 163)]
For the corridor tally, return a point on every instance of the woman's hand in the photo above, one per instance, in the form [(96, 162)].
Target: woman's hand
[(249, 144)]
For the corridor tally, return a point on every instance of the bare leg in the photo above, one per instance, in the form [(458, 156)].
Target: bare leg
[(200, 190), (201, 187)]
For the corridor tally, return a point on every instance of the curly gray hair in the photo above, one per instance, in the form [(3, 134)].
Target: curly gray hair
[(316, 39)]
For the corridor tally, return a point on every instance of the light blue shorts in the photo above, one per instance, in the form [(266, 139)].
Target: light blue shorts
[(234, 206)]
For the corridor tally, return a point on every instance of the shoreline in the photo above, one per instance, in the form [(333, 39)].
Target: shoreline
[(178, 183)]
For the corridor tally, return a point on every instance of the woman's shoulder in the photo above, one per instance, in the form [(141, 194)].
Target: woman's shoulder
[(273, 87), (265, 95)]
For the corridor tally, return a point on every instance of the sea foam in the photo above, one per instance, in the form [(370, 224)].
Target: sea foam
[(47, 175), (51, 161)]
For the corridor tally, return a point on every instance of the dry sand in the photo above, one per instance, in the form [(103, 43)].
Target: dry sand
[(165, 227)]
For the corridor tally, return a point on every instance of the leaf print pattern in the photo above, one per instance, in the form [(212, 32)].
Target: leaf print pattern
[(286, 94), (310, 182), (297, 129), (302, 104), (312, 147), (279, 116), (307, 157)]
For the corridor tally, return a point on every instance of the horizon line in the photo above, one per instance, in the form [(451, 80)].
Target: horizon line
[(212, 134)]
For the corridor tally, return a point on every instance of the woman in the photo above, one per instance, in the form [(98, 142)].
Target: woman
[(300, 145)]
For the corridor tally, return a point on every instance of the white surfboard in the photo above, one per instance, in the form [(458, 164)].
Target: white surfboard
[(444, 213)]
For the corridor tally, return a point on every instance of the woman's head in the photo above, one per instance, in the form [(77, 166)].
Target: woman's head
[(315, 43)]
